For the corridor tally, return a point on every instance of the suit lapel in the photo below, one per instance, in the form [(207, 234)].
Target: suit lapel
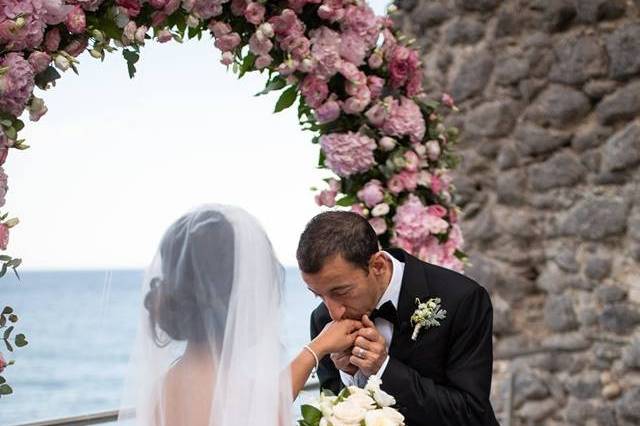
[(414, 285)]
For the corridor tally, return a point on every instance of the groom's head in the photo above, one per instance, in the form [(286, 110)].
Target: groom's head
[(341, 263)]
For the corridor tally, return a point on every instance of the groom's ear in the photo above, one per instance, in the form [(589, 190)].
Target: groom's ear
[(378, 263)]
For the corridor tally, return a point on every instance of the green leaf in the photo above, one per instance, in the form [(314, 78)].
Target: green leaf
[(5, 389), (7, 332), (7, 310), (50, 75), (321, 159), (6, 123), (3, 321), (3, 270), (14, 263), (247, 64), (20, 340), (277, 83), (13, 318), (287, 99), (4, 257), (131, 58), (2, 380), (19, 125), (311, 414), (8, 345), (347, 201), (11, 133)]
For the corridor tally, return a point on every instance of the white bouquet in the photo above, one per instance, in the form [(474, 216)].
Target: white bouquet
[(354, 406)]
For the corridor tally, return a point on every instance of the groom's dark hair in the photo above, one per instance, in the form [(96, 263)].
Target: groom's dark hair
[(336, 233)]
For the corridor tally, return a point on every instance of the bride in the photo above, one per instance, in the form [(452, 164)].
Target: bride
[(209, 348)]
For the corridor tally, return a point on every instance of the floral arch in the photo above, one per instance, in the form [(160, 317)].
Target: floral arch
[(358, 83)]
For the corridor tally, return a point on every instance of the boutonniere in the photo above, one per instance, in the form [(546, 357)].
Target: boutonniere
[(427, 315)]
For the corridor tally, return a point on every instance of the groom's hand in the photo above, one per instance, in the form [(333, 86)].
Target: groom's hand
[(370, 350), (341, 361)]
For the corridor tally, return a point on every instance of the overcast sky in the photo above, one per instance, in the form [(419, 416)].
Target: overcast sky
[(115, 160)]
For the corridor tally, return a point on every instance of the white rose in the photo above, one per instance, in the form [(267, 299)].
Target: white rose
[(377, 418), (383, 399), (323, 422), (380, 210), (387, 143), (362, 399), (373, 383), (347, 413), (433, 150), (394, 415), (325, 404)]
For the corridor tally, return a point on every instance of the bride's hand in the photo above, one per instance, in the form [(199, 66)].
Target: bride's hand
[(337, 336)]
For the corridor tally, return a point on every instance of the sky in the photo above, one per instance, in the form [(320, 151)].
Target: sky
[(116, 160)]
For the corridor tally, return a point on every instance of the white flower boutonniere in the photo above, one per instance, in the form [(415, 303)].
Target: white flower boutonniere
[(427, 315)]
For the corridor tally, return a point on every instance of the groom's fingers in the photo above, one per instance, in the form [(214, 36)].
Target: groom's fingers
[(371, 334), (367, 322), (363, 343)]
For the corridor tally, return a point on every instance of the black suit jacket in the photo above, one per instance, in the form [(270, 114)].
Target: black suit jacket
[(444, 377)]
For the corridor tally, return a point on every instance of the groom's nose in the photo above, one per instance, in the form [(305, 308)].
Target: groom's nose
[(336, 310)]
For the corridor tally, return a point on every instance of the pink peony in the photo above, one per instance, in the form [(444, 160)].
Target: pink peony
[(348, 153), (88, 5), (377, 114), (298, 46), (352, 73), (4, 235), (52, 40), (315, 90), (405, 119), (379, 225), (435, 224), (56, 10), (410, 219), (372, 193), (16, 84), (409, 180), (353, 48), (354, 105), (76, 21), (39, 61), (325, 51), (254, 13), (287, 24), (362, 21), (328, 111)]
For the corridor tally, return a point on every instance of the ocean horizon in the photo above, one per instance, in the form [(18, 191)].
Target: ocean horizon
[(81, 325)]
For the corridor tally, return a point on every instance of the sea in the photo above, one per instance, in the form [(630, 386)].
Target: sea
[(80, 326)]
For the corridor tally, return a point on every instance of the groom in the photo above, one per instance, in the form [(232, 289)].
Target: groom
[(443, 377)]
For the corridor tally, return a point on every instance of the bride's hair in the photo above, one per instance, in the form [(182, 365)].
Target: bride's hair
[(190, 301)]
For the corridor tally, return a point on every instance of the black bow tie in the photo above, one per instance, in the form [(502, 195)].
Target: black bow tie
[(386, 311)]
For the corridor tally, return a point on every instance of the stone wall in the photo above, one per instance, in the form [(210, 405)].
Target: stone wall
[(549, 93)]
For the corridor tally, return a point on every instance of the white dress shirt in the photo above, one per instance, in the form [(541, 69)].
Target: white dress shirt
[(392, 293)]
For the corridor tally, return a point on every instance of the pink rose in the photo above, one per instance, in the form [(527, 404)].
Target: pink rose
[(326, 198), (331, 10), (412, 161), (435, 224), (358, 209), (39, 61), (141, 32), (377, 114), (375, 85), (315, 90), (254, 13), (263, 61), (403, 66), (395, 184), (355, 105), (437, 210), (129, 32), (372, 193), (433, 150), (379, 225), (164, 36), (375, 60), (436, 184), (328, 111), (447, 100), (238, 7), (130, 7), (409, 180), (4, 236), (228, 42), (37, 109), (52, 40), (219, 28), (259, 44), (76, 20), (227, 58)]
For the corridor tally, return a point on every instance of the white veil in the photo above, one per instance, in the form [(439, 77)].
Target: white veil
[(208, 350)]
